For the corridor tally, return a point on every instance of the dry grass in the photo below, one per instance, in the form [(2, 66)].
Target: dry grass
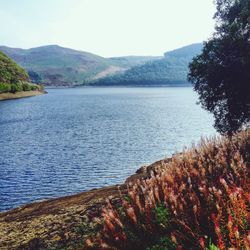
[(200, 200)]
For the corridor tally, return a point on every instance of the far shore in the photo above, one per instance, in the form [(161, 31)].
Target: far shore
[(22, 94)]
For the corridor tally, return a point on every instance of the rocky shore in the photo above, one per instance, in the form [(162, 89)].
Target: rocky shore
[(22, 94), (42, 224)]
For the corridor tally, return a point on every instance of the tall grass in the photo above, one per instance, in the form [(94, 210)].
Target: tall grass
[(200, 200)]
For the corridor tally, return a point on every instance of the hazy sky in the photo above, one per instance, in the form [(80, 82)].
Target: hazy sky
[(106, 27)]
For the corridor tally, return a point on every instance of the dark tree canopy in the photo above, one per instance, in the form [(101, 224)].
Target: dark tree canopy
[(221, 73)]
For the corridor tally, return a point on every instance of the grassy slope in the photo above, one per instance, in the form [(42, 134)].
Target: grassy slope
[(56, 65)]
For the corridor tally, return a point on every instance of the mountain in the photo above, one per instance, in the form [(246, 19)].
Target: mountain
[(58, 66), (172, 69)]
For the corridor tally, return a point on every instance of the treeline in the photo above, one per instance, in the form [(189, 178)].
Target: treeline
[(13, 78), (20, 86)]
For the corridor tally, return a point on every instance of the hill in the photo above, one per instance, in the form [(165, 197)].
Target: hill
[(14, 78), (172, 69), (58, 66), (10, 71)]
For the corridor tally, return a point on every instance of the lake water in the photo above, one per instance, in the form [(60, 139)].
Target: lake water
[(72, 140)]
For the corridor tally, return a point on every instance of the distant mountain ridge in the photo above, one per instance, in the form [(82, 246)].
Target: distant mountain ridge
[(186, 51), (53, 65), (172, 69)]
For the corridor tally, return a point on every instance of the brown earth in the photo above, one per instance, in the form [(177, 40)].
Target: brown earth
[(41, 225), (22, 94)]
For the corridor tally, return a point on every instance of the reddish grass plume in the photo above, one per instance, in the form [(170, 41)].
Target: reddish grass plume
[(199, 200)]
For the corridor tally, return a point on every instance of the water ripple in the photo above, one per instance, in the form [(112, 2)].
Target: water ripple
[(73, 140)]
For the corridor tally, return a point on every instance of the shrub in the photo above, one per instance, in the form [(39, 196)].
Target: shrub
[(26, 86), (5, 87), (200, 200), (41, 87), (20, 86), (36, 87), (16, 87)]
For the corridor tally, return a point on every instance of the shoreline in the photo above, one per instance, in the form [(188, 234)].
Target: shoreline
[(21, 94), (119, 86), (34, 222), (65, 222)]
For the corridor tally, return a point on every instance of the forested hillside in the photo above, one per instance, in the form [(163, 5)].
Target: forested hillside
[(13, 78), (172, 69), (11, 72)]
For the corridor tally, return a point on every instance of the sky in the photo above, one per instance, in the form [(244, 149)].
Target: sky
[(106, 27)]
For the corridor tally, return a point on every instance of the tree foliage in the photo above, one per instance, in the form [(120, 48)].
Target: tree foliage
[(221, 73), (20, 86), (13, 78), (11, 72)]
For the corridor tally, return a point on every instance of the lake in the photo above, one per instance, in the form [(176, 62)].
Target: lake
[(72, 140)]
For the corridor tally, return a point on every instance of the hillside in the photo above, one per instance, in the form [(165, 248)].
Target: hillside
[(131, 61), (58, 66), (172, 69), (14, 78), (10, 71)]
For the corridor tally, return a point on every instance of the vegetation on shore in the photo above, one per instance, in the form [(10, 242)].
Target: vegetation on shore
[(199, 200), (13, 78), (18, 87), (191, 189)]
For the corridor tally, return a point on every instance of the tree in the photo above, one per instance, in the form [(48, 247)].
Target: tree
[(221, 73)]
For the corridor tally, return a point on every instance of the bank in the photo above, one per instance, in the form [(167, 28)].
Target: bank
[(21, 94), (40, 224)]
